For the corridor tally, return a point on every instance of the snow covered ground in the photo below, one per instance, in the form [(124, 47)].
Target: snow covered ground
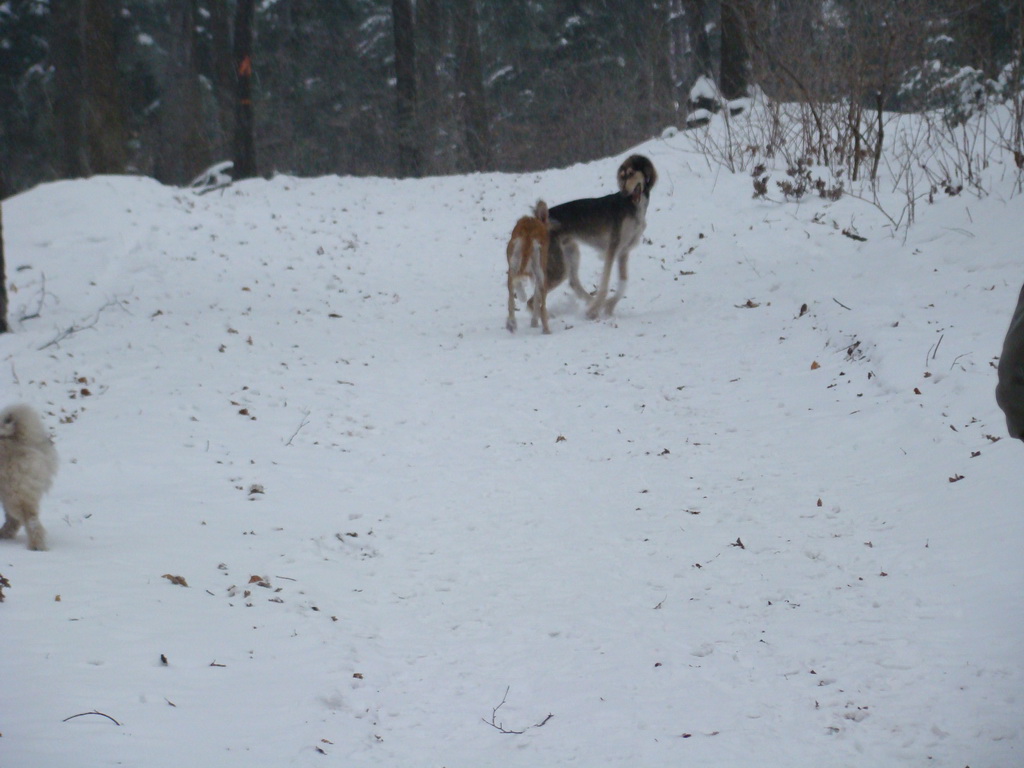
[(710, 531)]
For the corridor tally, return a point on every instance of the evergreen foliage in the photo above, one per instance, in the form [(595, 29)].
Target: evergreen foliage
[(512, 85)]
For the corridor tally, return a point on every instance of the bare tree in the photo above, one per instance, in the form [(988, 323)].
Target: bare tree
[(735, 74), (4, 327), (679, 49), (244, 143), (409, 162), (87, 108), (68, 103), (470, 85), (653, 50), (184, 150), (106, 137), (433, 34), (700, 50), (222, 74), (697, 18)]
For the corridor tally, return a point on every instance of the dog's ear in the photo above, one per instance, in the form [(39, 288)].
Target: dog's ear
[(622, 177), (650, 175)]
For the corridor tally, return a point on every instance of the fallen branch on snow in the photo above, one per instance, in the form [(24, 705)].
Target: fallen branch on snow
[(94, 712), (72, 330), (500, 727)]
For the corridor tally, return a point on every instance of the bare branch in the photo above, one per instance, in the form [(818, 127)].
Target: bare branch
[(500, 727), (42, 297), (94, 712), (304, 422), (72, 330)]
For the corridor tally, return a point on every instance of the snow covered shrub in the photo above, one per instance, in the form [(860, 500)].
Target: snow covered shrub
[(958, 92)]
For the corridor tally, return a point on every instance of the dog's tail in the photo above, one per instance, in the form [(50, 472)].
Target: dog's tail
[(540, 210)]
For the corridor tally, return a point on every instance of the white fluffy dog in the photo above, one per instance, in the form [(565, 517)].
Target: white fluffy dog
[(28, 462)]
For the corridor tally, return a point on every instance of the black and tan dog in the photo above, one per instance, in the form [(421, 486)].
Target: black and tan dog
[(612, 224)]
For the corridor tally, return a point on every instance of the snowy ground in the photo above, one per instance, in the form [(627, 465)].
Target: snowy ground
[(710, 531)]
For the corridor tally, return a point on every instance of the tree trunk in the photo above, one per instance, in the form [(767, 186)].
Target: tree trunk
[(648, 55), (679, 58), (735, 75), (433, 30), (106, 137), (470, 84), (409, 162), (4, 327), (663, 102), (697, 20), (244, 142), (703, 66), (223, 72), (66, 55), (183, 152)]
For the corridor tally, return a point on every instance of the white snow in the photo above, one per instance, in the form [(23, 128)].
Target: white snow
[(704, 87), (308, 383)]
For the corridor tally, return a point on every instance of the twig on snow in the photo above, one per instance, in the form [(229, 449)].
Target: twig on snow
[(500, 727), (304, 422), (72, 330), (42, 298), (94, 712), (933, 350), (957, 360)]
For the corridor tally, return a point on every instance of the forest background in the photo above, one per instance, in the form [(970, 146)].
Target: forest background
[(166, 88)]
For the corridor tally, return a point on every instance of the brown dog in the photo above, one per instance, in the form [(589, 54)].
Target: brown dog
[(527, 255)]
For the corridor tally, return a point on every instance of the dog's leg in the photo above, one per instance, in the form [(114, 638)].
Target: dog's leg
[(544, 310), (515, 254), (36, 532), (510, 323), (602, 292), (540, 298), (572, 259), (538, 283), (554, 269), (620, 287), (606, 275), (10, 526)]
